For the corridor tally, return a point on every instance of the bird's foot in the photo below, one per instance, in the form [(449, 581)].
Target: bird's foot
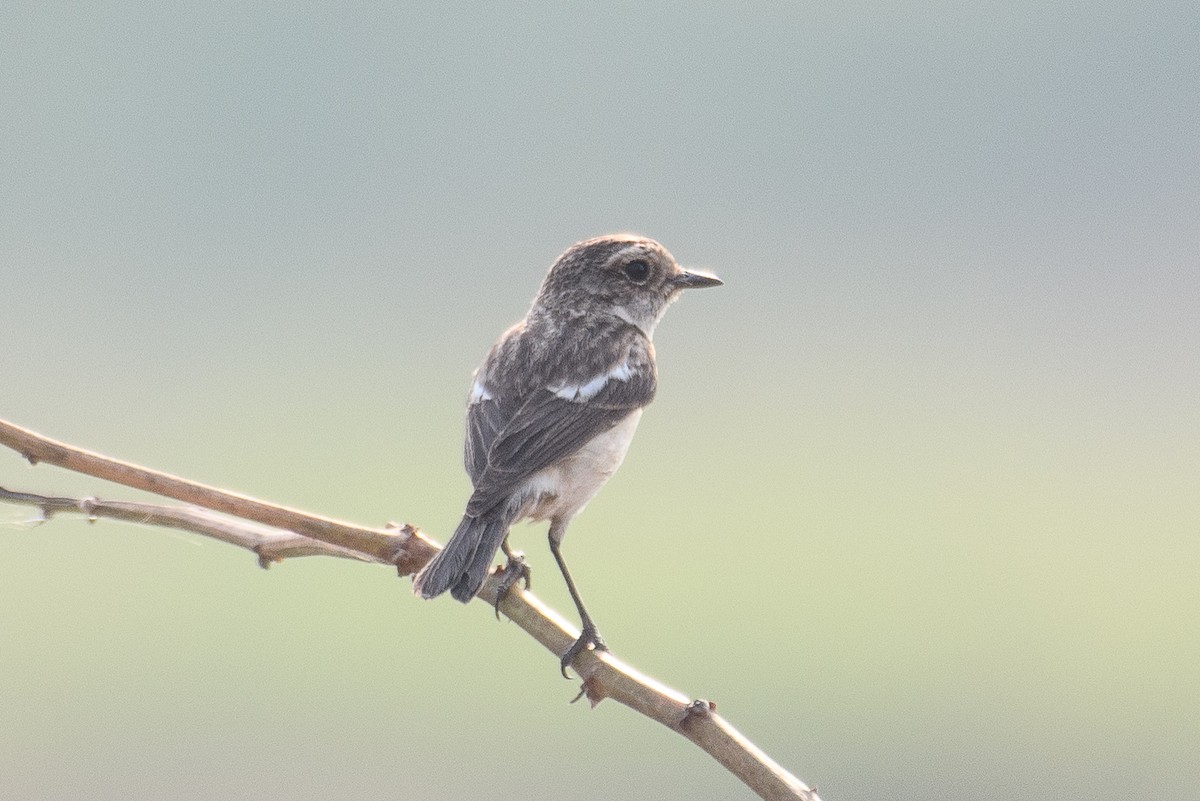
[(588, 637), (515, 569)]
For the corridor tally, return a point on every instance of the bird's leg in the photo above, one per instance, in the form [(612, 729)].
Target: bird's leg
[(515, 569), (588, 634)]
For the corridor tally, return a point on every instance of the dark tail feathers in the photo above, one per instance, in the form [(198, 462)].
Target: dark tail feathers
[(463, 564)]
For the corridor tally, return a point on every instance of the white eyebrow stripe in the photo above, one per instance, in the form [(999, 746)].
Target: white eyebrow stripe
[(589, 390), (479, 392)]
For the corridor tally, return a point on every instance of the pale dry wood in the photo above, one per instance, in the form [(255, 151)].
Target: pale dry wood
[(407, 546), (267, 543), (290, 532)]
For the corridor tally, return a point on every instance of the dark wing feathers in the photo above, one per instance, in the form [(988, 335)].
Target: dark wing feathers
[(485, 418), (509, 439)]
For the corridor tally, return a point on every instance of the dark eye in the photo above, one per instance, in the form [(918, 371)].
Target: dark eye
[(637, 271)]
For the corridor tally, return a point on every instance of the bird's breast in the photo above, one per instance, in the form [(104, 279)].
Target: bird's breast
[(562, 489)]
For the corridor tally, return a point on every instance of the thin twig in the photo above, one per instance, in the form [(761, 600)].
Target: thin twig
[(267, 543), (604, 676), (409, 546)]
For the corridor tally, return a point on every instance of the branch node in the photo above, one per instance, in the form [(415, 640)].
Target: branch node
[(88, 507), (593, 689), (699, 709), (413, 549), (265, 559)]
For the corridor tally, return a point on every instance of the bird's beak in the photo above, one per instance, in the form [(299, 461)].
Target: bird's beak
[(687, 279)]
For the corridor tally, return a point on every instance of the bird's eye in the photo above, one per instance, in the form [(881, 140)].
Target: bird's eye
[(637, 271)]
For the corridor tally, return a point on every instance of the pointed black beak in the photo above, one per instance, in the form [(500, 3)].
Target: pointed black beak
[(690, 280)]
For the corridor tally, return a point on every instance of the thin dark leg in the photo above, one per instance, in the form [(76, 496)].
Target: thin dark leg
[(514, 570), (588, 635)]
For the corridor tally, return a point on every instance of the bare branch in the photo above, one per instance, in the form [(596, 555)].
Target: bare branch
[(408, 549), (267, 543), (291, 532)]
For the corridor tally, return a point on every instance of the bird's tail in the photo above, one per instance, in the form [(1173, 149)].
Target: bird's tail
[(463, 564)]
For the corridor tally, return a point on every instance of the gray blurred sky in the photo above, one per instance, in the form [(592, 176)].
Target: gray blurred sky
[(187, 137), (1016, 169)]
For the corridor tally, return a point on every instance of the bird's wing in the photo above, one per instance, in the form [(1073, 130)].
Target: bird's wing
[(511, 438)]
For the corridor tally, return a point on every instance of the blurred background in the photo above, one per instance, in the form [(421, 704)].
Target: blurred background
[(918, 501)]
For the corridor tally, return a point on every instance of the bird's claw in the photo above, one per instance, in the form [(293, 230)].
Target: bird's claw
[(516, 569), (588, 637)]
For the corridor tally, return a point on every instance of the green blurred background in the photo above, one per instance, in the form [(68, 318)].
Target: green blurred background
[(917, 503)]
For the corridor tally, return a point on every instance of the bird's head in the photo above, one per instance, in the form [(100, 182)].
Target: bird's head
[(622, 275)]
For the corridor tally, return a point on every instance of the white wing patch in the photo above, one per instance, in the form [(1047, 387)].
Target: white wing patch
[(479, 392), (584, 392)]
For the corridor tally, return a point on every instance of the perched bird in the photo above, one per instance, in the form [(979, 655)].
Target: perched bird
[(554, 406)]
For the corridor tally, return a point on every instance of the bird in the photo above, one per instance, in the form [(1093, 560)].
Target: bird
[(553, 407)]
